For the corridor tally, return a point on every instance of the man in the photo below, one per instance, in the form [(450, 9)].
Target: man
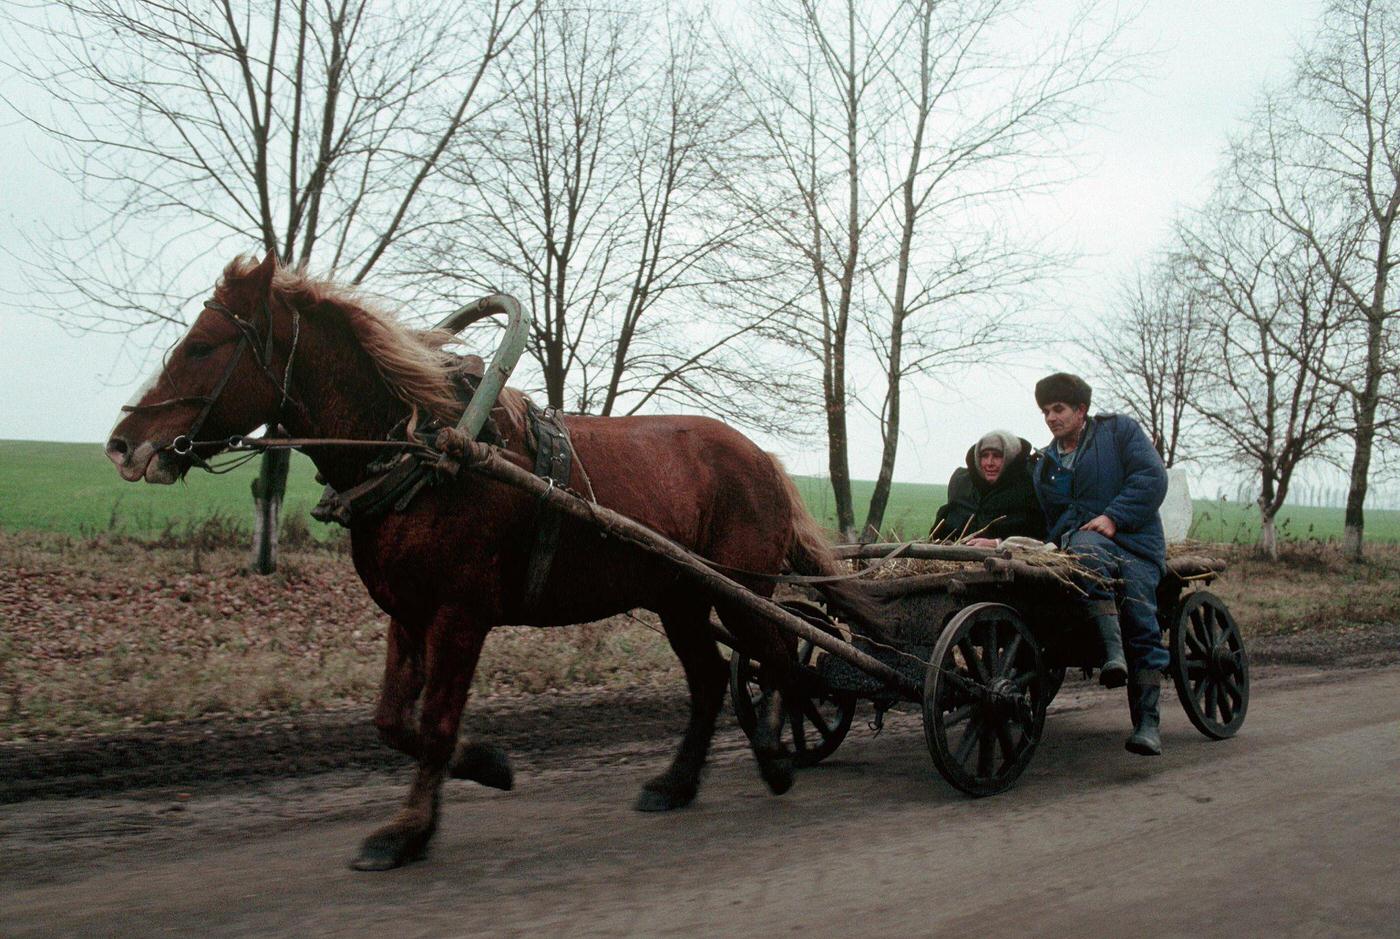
[(992, 496), (1100, 483)]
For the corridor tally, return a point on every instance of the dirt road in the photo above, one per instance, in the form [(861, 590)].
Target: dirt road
[(1293, 828)]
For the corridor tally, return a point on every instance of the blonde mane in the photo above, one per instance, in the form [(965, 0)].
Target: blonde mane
[(411, 362)]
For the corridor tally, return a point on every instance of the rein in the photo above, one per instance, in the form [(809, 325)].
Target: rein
[(446, 456)]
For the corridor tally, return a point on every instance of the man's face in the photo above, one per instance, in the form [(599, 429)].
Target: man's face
[(991, 463), (1065, 422)]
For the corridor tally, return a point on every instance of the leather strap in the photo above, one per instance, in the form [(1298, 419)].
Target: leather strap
[(554, 457)]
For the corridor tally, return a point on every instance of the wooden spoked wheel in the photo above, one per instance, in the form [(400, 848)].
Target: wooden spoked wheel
[(1209, 665), (816, 719), (985, 695)]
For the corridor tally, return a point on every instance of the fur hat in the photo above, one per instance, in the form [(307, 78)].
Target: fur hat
[(1064, 387), (1003, 442)]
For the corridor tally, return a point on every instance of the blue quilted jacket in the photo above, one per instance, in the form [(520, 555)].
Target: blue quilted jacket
[(1118, 474)]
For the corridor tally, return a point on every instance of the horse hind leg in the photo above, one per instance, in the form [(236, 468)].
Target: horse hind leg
[(452, 649), (763, 641), (687, 629)]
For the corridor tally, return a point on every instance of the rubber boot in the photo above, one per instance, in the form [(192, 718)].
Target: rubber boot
[(1114, 672), (1144, 695)]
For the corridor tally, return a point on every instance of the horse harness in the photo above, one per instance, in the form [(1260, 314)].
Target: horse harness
[(184, 444), (398, 476)]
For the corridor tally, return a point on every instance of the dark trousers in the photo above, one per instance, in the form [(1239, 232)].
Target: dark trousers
[(1120, 575)]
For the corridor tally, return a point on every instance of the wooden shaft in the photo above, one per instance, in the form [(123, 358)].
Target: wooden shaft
[(483, 459), (916, 552)]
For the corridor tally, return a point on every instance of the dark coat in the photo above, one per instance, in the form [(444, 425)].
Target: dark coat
[(1006, 507), (1118, 474)]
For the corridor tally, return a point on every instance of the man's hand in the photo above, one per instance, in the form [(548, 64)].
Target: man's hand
[(982, 542), (1101, 524)]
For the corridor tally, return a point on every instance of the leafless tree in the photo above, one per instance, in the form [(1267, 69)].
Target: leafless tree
[(199, 128), (1325, 160), (902, 133), (1268, 313), (1151, 352), (603, 193)]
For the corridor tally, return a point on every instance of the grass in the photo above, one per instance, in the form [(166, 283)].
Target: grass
[(110, 633), (1311, 588), (72, 489)]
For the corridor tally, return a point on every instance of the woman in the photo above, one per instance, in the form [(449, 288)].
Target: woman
[(992, 497)]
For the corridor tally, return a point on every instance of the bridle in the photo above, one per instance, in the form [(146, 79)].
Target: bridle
[(184, 444)]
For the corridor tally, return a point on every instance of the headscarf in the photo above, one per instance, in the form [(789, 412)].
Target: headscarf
[(1002, 441)]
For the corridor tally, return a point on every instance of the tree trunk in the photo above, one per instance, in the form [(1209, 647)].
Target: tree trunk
[(1355, 520), (1269, 501), (268, 490), (879, 499), (838, 465), (1268, 534)]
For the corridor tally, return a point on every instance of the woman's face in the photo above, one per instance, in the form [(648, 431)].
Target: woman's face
[(990, 463)]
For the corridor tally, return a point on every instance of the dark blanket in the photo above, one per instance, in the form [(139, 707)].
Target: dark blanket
[(1005, 508)]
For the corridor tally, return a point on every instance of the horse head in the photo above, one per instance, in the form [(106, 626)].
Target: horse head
[(225, 377)]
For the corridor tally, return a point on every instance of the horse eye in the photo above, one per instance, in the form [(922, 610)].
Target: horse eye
[(198, 350)]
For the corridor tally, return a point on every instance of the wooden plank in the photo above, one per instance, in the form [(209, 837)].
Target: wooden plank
[(895, 587), (1196, 565)]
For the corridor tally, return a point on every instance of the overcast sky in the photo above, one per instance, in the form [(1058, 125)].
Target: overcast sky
[(1151, 154)]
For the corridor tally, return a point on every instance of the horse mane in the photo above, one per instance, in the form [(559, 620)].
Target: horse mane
[(412, 362)]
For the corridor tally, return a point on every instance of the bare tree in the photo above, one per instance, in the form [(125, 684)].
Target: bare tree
[(1325, 160), (1151, 351), (899, 131), (206, 126), (603, 192), (812, 103), (1269, 313)]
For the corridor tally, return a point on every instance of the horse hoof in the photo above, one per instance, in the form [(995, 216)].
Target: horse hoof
[(777, 772), (664, 798), (485, 764), (384, 851)]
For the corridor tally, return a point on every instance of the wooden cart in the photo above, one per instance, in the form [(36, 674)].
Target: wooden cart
[(988, 647)]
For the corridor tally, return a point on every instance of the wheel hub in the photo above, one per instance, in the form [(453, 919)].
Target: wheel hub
[(1003, 697), (1222, 660)]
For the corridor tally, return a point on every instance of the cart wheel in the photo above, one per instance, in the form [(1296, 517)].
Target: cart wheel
[(984, 699), (817, 718), (1209, 665)]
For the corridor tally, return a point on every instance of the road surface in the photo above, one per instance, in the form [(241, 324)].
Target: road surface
[(1290, 829)]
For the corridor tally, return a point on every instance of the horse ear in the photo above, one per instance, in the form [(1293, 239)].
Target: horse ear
[(263, 273)]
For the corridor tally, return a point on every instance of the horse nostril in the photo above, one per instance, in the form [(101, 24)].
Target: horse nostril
[(116, 447)]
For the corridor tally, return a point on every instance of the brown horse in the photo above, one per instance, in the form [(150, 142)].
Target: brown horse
[(276, 346)]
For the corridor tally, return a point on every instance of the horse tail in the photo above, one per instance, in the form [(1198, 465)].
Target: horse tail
[(810, 554)]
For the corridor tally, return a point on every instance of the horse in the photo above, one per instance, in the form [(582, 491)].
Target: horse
[(275, 346)]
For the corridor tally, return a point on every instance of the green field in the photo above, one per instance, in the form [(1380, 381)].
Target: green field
[(74, 489), (71, 488)]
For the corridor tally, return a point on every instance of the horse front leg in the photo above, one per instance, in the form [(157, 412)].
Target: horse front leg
[(403, 681), (452, 648)]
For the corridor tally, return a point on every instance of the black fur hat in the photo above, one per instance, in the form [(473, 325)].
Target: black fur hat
[(1062, 386)]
